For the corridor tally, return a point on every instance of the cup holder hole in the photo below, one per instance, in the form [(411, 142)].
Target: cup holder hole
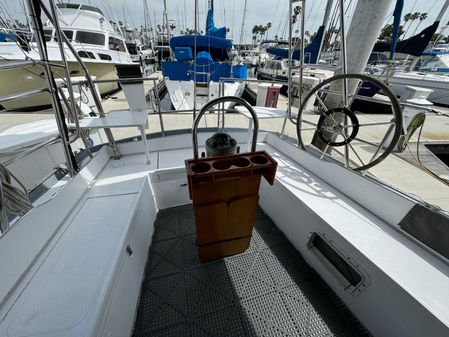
[(259, 160), (222, 165), (241, 162), (200, 167)]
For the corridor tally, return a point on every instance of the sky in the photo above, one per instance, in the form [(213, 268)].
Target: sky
[(230, 13)]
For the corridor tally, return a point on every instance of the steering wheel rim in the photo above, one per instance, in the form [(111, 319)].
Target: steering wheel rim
[(396, 110)]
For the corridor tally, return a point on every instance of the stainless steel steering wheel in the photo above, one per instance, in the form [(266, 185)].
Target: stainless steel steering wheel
[(341, 131)]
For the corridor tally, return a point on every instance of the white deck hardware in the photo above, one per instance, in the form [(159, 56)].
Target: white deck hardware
[(137, 115)]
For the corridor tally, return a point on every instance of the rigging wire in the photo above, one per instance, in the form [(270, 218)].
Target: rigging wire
[(276, 12), (317, 11), (127, 9), (233, 16), (282, 16)]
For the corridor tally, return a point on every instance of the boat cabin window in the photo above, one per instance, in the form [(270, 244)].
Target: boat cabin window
[(271, 65), (278, 66), (132, 48), (68, 33), (86, 54), (90, 38), (116, 44), (105, 57)]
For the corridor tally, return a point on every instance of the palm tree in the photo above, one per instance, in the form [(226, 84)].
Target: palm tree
[(268, 28), (407, 18), (413, 17), (255, 31), (421, 18)]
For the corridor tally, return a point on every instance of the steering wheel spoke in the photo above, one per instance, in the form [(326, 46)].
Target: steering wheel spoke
[(338, 125)]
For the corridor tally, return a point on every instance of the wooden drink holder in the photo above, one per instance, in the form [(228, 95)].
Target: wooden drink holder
[(225, 192)]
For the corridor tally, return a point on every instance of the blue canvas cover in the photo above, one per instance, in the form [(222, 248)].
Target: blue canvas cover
[(211, 30), (183, 53), (217, 47), (204, 58), (184, 71), (311, 51), (210, 55), (5, 37)]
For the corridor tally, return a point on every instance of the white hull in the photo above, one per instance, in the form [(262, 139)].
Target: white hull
[(439, 85), (182, 93), (95, 41), (28, 79)]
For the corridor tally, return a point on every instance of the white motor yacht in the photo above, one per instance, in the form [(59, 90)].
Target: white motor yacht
[(93, 37)]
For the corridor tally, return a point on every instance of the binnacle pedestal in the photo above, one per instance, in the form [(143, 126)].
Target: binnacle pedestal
[(225, 194)]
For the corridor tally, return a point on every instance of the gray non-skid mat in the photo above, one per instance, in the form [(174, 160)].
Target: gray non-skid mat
[(267, 291)]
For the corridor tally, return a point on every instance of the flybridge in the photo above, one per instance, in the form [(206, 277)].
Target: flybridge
[(80, 7)]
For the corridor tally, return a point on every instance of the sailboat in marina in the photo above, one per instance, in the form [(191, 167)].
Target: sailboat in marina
[(228, 230), (399, 79), (198, 64)]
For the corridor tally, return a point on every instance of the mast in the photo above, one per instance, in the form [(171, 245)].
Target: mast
[(443, 10), (233, 16), (243, 24), (178, 22), (124, 16), (148, 23), (185, 21), (168, 28)]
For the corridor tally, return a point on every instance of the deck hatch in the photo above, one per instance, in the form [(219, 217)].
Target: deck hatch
[(340, 264)]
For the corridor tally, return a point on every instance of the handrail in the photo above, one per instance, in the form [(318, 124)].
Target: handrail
[(132, 80), (124, 80), (36, 24), (97, 101), (26, 63), (250, 80), (59, 33), (23, 94), (316, 66)]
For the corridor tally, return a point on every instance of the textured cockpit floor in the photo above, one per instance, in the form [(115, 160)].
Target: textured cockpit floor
[(267, 291)]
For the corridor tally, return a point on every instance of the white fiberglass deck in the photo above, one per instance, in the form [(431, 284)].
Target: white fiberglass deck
[(356, 215)]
